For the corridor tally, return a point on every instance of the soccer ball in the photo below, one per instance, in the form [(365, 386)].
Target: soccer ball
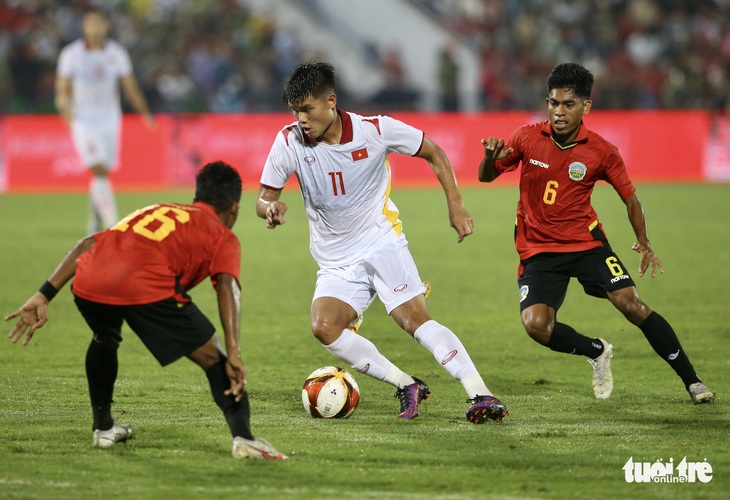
[(330, 392)]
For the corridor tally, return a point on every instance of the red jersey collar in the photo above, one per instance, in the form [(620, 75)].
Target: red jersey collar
[(346, 129), (581, 137), (207, 209)]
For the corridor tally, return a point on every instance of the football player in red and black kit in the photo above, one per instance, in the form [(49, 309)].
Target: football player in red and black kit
[(139, 271), (558, 235)]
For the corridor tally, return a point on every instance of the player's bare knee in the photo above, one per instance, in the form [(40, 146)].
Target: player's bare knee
[(411, 315), (410, 326), (627, 301), (536, 323), (635, 311), (325, 330), (539, 336), (538, 328), (410, 323), (206, 355), (99, 170)]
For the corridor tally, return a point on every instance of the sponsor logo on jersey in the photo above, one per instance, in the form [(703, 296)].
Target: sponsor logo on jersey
[(577, 171), (524, 290), (309, 160), (400, 288), (539, 163), (619, 278), (359, 154)]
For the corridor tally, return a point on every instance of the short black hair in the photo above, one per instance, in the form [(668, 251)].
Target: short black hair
[(219, 185), (309, 79), (571, 76)]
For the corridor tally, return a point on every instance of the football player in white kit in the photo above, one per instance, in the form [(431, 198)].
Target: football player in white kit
[(89, 73), (340, 160)]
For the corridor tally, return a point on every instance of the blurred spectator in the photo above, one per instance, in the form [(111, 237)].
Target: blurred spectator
[(397, 94), (448, 76), (175, 88), (644, 53), (26, 70), (188, 56)]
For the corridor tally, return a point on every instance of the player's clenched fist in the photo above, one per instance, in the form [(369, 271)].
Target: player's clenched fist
[(275, 214)]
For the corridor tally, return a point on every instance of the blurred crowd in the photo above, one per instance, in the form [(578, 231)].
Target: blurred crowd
[(188, 55), (648, 54), (198, 55)]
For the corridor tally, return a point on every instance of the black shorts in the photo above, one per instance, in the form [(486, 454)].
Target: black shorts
[(545, 276), (168, 328)]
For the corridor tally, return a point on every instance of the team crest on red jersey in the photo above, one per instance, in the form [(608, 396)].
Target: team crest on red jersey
[(577, 171)]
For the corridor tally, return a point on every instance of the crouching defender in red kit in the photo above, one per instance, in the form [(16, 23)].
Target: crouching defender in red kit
[(139, 271)]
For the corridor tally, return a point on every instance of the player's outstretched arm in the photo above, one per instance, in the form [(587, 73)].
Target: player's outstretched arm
[(642, 245), (132, 92), (270, 208), (460, 219), (493, 151), (229, 309), (34, 313)]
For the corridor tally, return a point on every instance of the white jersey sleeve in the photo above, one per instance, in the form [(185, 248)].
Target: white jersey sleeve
[(400, 137), (64, 68), (125, 62), (281, 162)]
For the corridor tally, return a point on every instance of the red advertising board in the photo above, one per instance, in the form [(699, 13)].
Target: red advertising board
[(657, 146), (39, 155), (666, 146)]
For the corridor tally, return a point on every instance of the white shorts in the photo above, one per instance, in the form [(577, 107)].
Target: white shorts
[(96, 142), (388, 272)]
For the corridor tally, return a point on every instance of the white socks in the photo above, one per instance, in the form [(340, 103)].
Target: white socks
[(451, 354), (364, 357), (103, 204)]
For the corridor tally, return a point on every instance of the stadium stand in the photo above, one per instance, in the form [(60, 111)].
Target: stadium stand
[(232, 55)]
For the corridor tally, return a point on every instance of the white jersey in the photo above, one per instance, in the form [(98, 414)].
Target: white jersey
[(95, 78), (345, 186)]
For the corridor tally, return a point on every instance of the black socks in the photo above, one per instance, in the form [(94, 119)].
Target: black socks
[(101, 373), (662, 338), (566, 339), (237, 415), (656, 329)]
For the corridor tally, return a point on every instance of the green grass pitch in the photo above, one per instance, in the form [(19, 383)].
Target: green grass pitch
[(558, 442)]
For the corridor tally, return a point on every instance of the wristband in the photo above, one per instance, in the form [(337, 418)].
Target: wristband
[(48, 290)]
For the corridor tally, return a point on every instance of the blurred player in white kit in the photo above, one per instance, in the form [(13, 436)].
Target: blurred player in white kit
[(89, 73)]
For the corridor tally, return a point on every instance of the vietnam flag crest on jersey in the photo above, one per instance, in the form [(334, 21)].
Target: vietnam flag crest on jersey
[(359, 154)]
